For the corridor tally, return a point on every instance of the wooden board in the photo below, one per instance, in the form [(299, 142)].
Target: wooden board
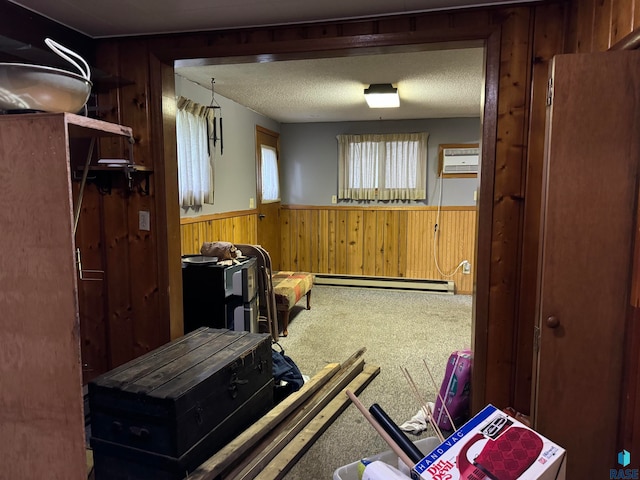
[(294, 450), (235, 449)]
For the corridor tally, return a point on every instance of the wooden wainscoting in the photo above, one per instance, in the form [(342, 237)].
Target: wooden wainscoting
[(379, 241), (235, 227)]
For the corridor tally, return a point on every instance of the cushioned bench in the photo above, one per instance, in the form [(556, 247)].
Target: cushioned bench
[(289, 287)]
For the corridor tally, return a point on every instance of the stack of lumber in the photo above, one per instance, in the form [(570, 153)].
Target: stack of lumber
[(271, 446)]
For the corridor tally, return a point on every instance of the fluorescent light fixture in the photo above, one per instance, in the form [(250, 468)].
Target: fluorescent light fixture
[(382, 95)]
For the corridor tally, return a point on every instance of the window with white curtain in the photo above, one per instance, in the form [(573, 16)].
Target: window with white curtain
[(382, 166), (195, 157), (269, 174)]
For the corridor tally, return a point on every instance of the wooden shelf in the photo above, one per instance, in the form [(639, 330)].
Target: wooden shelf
[(118, 168)]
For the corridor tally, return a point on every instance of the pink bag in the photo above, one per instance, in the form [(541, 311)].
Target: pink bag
[(455, 390)]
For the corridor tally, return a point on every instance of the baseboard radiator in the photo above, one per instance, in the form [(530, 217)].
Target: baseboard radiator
[(398, 283)]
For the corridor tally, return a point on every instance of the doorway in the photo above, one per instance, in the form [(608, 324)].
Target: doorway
[(490, 38), (268, 192)]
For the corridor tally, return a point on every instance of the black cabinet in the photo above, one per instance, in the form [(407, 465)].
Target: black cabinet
[(219, 295)]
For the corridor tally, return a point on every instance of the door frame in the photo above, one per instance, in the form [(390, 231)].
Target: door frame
[(488, 36)]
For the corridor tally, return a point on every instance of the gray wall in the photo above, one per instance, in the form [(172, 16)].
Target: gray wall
[(235, 170), (309, 157)]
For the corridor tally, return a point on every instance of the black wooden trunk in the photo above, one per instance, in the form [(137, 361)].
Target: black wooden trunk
[(174, 407)]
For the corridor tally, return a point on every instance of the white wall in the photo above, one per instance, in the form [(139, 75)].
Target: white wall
[(235, 169), (309, 158)]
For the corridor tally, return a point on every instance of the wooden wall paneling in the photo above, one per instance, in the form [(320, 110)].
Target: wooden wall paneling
[(252, 228), (392, 249), (413, 247), (304, 241), (636, 14), (381, 244), (424, 238), (583, 13), (443, 247), (621, 20), (547, 41), (285, 240), (92, 301), (369, 238), (341, 241), (118, 276), (294, 239), (602, 25), (115, 228), (142, 260), (472, 247), (467, 248), (354, 241), (244, 232), (314, 238), (515, 58), (332, 250), (144, 274), (185, 239), (323, 241), (428, 224), (219, 230), (402, 242)]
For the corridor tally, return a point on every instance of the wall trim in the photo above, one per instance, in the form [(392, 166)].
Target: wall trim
[(463, 208), (217, 216)]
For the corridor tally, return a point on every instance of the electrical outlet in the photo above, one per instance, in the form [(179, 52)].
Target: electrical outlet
[(466, 267), (334, 199), (144, 220)]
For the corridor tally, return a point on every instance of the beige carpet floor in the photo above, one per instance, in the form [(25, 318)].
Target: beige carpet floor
[(398, 328)]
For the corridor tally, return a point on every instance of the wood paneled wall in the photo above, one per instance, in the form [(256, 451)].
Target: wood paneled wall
[(597, 25), (382, 241), (235, 227), (379, 241)]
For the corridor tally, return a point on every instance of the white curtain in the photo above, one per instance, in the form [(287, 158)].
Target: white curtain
[(195, 155), (269, 171), (382, 166)]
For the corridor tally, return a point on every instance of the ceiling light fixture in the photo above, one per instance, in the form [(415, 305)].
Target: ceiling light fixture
[(382, 95)]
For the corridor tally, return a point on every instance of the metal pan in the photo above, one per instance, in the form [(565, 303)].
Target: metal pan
[(25, 87)]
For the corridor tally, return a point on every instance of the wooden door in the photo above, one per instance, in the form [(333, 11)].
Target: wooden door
[(592, 149), (268, 209)]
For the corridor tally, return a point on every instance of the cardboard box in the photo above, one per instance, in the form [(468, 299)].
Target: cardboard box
[(493, 446)]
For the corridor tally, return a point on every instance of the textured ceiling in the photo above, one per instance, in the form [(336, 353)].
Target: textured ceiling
[(431, 84)]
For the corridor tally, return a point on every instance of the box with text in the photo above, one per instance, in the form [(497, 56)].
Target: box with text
[(493, 446)]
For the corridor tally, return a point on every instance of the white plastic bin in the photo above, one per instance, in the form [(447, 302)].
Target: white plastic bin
[(350, 472)]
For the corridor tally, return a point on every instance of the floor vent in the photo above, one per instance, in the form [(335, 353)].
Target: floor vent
[(434, 286)]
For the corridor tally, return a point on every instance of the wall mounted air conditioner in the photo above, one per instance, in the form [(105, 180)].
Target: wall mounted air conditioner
[(460, 160)]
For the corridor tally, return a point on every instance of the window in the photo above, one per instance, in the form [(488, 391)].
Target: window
[(195, 171), (382, 166), (269, 172)]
